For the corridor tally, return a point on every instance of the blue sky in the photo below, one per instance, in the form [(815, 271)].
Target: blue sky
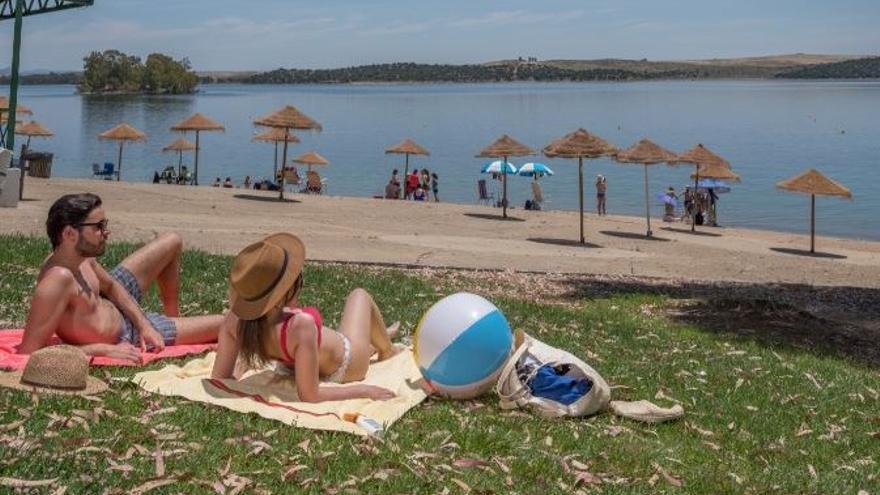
[(235, 34)]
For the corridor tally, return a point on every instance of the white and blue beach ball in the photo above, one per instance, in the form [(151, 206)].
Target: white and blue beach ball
[(461, 345)]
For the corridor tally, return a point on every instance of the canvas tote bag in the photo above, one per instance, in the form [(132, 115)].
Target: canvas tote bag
[(514, 393)]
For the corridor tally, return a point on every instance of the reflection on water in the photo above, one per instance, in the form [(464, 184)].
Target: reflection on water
[(768, 130)]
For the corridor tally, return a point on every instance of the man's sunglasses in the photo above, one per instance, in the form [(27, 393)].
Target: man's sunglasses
[(101, 224)]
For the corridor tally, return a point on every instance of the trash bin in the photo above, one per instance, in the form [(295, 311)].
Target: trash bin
[(39, 164)]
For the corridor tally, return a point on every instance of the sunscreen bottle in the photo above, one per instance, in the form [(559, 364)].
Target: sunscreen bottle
[(372, 426)]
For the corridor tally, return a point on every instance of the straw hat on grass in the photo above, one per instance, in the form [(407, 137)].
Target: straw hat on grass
[(57, 369)]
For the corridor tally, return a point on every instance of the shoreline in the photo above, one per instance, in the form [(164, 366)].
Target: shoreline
[(448, 235)]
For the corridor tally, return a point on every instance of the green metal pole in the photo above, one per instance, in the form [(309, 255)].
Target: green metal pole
[(13, 91)]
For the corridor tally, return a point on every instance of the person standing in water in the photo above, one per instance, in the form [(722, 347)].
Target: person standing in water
[(601, 189)]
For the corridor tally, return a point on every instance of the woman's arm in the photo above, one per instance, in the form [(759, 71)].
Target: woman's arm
[(227, 348), (303, 338)]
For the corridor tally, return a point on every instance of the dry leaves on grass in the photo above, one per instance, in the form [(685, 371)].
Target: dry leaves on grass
[(670, 478), (152, 485), (20, 483)]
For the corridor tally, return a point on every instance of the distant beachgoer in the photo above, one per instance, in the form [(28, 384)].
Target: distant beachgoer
[(156, 178), (392, 190), (425, 182), (419, 194), (671, 199), (228, 184), (435, 187), (394, 177), (412, 183), (601, 189), (216, 182), (247, 182), (713, 200)]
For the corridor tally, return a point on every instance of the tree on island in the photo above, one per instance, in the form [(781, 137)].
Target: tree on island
[(116, 72)]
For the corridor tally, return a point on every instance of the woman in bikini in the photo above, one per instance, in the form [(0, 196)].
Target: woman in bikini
[(266, 324)]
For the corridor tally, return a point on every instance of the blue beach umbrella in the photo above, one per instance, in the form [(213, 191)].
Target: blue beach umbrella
[(498, 167), (716, 185), (533, 169)]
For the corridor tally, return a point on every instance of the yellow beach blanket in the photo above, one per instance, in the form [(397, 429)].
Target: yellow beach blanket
[(273, 396)]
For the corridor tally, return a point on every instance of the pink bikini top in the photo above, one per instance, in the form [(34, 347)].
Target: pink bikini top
[(289, 315)]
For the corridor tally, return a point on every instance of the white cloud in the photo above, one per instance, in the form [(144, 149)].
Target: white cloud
[(514, 17), (399, 27)]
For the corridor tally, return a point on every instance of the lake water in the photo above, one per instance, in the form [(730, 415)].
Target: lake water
[(768, 130)]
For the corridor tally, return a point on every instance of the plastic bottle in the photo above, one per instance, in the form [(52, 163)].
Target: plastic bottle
[(372, 426)]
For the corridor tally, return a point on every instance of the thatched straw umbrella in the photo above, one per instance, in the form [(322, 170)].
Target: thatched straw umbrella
[(19, 110), (287, 118), (812, 182), (715, 171), (4, 105), (579, 144), (275, 135), (197, 123), (697, 156), (4, 115), (407, 147), (180, 146), (122, 133), (504, 147), (646, 152), (311, 158), (33, 129)]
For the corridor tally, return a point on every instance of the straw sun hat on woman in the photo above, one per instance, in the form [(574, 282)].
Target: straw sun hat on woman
[(57, 369), (263, 273)]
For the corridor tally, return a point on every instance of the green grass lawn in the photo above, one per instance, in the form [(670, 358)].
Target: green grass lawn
[(758, 419)]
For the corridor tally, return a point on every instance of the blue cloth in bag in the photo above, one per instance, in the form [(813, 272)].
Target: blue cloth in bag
[(551, 383)]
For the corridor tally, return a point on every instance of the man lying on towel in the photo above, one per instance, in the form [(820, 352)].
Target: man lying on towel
[(85, 305)]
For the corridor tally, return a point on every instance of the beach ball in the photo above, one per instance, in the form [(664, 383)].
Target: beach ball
[(461, 345)]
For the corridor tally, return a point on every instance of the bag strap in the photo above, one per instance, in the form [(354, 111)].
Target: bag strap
[(510, 367)]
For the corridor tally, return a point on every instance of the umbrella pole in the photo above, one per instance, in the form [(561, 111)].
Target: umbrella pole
[(812, 223), (504, 188), (647, 203), (694, 201), (283, 161), (179, 163), (275, 162), (404, 180), (196, 162), (119, 168), (581, 194)]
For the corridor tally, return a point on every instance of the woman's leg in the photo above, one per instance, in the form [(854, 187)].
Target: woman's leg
[(364, 327)]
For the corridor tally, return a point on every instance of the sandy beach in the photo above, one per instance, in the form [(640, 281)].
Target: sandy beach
[(457, 235)]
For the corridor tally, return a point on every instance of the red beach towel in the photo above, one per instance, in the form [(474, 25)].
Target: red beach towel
[(10, 340)]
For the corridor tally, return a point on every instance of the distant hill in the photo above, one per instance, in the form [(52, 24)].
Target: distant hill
[(47, 77), (549, 70), (797, 65), (862, 68)]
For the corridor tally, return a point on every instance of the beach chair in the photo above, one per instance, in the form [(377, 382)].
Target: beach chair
[(107, 173), (483, 194), (313, 183), (291, 176)]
